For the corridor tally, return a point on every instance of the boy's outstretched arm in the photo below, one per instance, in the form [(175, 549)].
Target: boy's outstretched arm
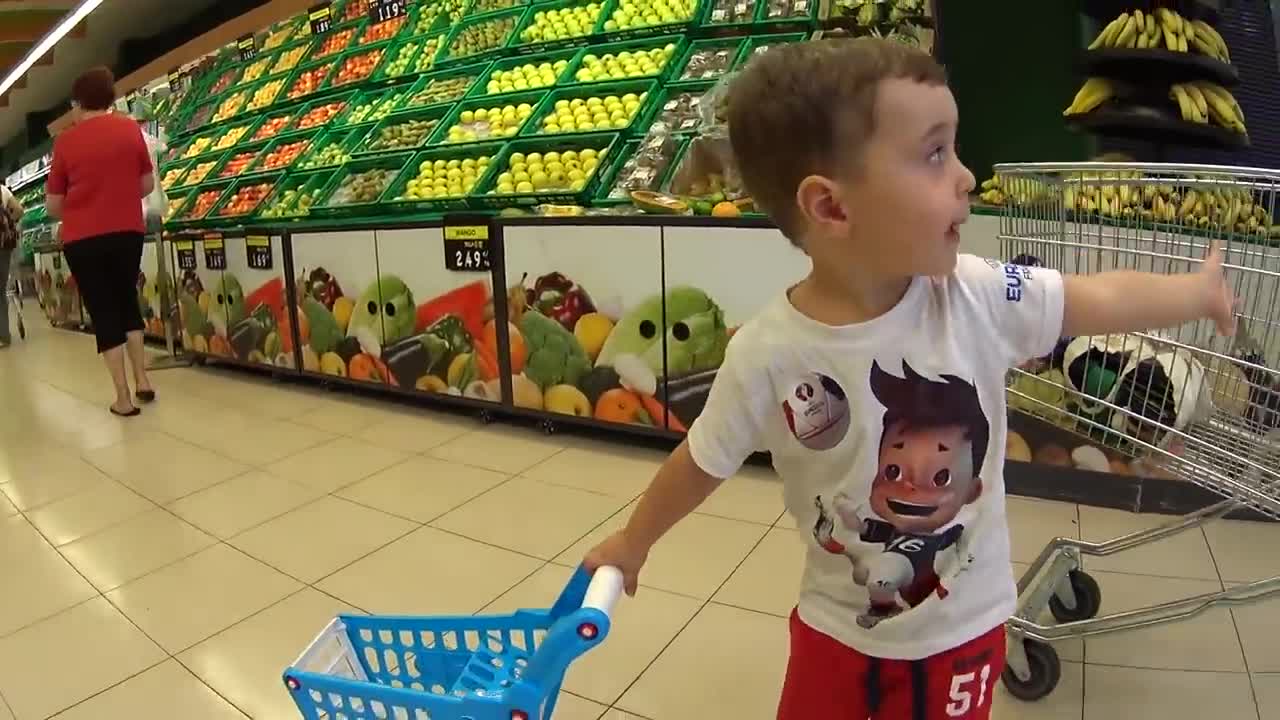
[(1126, 301), (678, 489)]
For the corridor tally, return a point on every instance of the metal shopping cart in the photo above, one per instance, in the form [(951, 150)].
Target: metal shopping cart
[(1185, 403), (506, 667), (13, 293)]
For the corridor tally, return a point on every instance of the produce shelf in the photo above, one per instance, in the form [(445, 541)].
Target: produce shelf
[(1156, 67), (599, 143), (708, 59), (225, 209), (426, 19), (450, 54), (757, 44), (532, 99), (520, 46), (390, 125), (234, 133), (464, 77), (265, 94), (284, 201), (676, 43), (393, 162), (259, 67), (283, 33), (639, 121), (223, 81), (411, 171), (1155, 126), (508, 65), (359, 107), (378, 32)]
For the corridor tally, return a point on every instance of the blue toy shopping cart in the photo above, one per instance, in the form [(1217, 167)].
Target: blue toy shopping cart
[(499, 667)]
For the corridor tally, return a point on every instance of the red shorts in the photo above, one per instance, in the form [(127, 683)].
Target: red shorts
[(829, 680)]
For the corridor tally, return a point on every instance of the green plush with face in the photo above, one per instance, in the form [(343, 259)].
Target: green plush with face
[(386, 310), (226, 307), (696, 334)]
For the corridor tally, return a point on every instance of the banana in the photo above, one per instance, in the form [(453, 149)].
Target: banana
[(1153, 27), (1143, 41), (1186, 106), (1196, 95), (1140, 21), (1128, 36), (1093, 93), (1223, 107), (1170, 37), (1182, 42), (1109, 33), (1206, 48), (1188, 30), (1188, 204), (1157, 206), (1207, 31), (1229, 221)]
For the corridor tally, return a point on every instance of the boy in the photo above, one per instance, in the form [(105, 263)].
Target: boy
[(877, 383)]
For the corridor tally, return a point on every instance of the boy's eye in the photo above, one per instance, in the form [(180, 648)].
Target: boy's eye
[(937, 154)]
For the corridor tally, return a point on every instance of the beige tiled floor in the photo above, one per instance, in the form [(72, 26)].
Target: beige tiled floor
[(173, 565)]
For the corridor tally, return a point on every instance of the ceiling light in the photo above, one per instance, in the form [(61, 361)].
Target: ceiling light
[(47, 42)]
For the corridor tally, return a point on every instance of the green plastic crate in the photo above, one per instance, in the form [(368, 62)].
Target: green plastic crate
[(297, 27), (614, 35), (728, 17), (249, 125), (368, 36), (756, 42), (448, 55), (533, 99), (324, 68), (232, 74), (603, 199), (338, 40), (487, 198), (178, 168), (261, 92), (220, 213), (480, 88), (395, 162), (484, 7), (300, 184), (441, 204), (289, 115), (434, 112), (519, 46), (276, 143), (306, 108), (730, 46), (429, 53), (639, 121), (265, 61), (630, 46), (411, 47), (186, 145), (359, 106), (185, 216), (199, 118), (178, 199), (358, 51), (800, 15), (476, 72), (254, 150), (439, 24), (214, 161), (305, 43), (344, 138)]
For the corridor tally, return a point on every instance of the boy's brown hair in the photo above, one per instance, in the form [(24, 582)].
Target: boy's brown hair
[(808, 108)]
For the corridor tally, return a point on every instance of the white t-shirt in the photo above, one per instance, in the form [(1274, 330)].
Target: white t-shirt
[(889, 437)]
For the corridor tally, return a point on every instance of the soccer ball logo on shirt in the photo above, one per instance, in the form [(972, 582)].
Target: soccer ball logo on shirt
[(817, 412)]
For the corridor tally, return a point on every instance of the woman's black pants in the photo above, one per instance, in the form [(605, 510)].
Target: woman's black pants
[(106, 271)]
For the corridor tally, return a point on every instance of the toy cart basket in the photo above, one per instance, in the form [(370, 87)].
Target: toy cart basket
[(1182, 403), (506, 667)]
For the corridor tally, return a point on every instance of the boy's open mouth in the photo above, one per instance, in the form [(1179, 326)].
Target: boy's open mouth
[(907, 509)]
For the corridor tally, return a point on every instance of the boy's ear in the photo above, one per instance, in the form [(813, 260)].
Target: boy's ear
[(819, 202)]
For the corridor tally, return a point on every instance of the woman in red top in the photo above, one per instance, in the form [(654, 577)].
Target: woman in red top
[(101, 171)]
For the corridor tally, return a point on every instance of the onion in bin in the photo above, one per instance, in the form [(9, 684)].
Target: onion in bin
[(362, 187)]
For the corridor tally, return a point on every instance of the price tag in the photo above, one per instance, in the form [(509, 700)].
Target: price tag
[(57, 262), (248, 47), (466, 248), (215, 255), (175, 81), (384, 10), (186, 254), (259, 247), (321, 17)]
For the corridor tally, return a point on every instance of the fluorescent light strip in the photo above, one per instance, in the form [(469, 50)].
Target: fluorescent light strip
[(47, 42)]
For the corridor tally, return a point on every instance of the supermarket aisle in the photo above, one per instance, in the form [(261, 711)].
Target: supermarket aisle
[(173, 565)]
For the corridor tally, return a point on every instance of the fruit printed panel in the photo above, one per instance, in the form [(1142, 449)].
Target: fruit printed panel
[(207, 307), (336, 274), (57, 289), (704, 309), (439, 333), (262, 334), (152, 292), (587, 336)]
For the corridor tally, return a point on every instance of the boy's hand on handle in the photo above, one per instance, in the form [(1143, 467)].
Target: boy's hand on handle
[(1220, 302), (622, 552)]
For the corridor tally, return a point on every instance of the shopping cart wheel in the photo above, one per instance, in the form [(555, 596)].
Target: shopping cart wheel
[(1046, 671), (1088, 599), (548, 427)]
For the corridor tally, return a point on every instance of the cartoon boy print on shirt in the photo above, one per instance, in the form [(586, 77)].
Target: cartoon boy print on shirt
[(932, 445)]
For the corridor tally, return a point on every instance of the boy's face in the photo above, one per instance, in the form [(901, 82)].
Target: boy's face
[(904, 200)]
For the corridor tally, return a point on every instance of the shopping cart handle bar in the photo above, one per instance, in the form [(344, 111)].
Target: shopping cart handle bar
[(605, 590)]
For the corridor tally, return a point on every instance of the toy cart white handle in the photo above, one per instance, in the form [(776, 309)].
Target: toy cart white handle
[(604, 591)]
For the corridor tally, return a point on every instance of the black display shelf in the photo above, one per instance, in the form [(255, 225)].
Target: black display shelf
[(1156, 126), (1156, 67)]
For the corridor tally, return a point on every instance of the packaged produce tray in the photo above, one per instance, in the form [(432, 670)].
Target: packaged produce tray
[(444, 87), (243, 198), (463, 47), (399, 199), (532, 34), (392, 163), (308, 79), (512, 74), (201, 170), (286, 201), (399, 128), (593, 63), (757, 44), (358, 65), (200, 202), (707, 59), (275, 124), (321, 112), (600, 145), (615, 29), (676, 112), (281, 153), (662, 157), (778, 15), (613, 98), (238, 161), (331, 148), (480, 126), (338, 40)]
